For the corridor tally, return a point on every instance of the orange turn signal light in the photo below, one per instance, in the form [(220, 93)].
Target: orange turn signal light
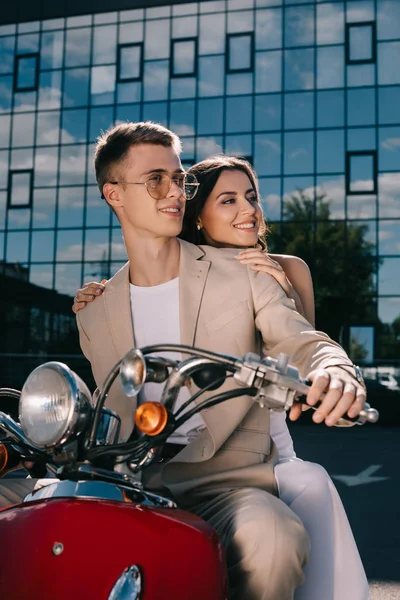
[(3, 458), (151, 418)]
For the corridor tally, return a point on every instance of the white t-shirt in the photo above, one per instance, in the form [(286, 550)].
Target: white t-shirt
[(155, 313)]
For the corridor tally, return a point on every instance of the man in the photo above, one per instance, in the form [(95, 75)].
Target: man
[(172, 291)]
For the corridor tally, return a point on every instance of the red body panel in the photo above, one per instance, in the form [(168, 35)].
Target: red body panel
[(179, 555)]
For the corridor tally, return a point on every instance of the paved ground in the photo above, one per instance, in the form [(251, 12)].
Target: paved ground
[(370, 455)]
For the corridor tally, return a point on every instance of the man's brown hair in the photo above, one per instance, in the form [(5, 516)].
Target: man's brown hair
[(112, 146)]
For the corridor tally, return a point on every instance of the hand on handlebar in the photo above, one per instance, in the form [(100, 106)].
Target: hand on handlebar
[(337, 391)]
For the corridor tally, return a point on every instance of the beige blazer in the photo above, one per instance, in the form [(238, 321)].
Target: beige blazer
[(224, 307)]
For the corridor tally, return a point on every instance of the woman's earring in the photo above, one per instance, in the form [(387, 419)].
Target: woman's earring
[(198, 226)]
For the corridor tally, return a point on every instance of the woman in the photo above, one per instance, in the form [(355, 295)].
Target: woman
[(226, 212)]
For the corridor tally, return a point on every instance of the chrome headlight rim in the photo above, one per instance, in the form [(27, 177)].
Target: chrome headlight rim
[(79, 409)]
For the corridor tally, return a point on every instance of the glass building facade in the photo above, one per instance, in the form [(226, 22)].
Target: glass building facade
[(309, 91)]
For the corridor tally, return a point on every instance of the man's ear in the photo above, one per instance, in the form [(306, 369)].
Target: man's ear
[(111, 193)]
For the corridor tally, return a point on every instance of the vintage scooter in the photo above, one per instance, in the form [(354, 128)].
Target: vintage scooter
[(93, 531)]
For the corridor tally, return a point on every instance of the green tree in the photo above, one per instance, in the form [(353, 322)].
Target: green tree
[(342, 261)]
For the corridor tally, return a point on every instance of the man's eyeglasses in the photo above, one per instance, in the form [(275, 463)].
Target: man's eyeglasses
[(159, 184)]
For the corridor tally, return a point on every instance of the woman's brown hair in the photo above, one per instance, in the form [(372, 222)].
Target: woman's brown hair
[(207, 173)]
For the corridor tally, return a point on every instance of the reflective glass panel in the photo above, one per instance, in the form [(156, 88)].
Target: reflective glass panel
[(44, 207), (157, 112), (156, 77), (17, 247), (269, 29), (299, 110), (184, 57), (206, 146), (19, 219), (23, 129), (211, 76), (183, 27), (105, 45), (389, 148), (299, 152), (130, 32), (360, 75), (68, 278), (77, 47), (47, 128), (42, 246), (268, 112), (389, 237), (5, 94), (270, 192), (240, 21), (46, 167), (212, 34), (360, 43), (240, 52), (299, 69), (50, 90), (103, 85), (361, 106), (7, 45), (101, 119), (74, 126), (210, 116), (41, 275), (130, 65), (268, 71), (5, 131), (388, 19), (238, 114), (361, 173), (330, 151), (330, 23), (51, 53), (72, 165), (97, 209), (267, 155), (76, 87), (389, 105), (96, 245), (332, 188), (26, 72), (389, 280), (330, 67), (28, 43), (69, 245), (70, 207), (388, 61), (182, 117), (299, 26), (20, 188), (157, 39)]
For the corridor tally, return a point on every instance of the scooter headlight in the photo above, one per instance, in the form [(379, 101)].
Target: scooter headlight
[(54, 405)]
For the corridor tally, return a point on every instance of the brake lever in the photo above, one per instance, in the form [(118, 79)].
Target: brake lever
[(280, 385)]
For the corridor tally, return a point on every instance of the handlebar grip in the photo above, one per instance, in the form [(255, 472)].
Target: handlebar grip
[(366, 415)]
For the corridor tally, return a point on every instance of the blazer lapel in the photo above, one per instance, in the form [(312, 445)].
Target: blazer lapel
[(192, 278), (118, 310)]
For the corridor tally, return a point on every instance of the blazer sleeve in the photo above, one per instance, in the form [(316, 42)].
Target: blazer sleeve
[(84, 339), (284, 330)]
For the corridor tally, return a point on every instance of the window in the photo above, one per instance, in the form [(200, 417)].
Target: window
[(239, 52), (361, 172), (360, 43), (20, 189), (26, 75), (184, 57), (130, 62)]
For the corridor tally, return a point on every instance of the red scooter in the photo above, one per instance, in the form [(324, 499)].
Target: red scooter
[(92, 531)]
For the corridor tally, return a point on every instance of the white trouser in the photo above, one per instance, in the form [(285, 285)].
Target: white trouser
[(334, 570)]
